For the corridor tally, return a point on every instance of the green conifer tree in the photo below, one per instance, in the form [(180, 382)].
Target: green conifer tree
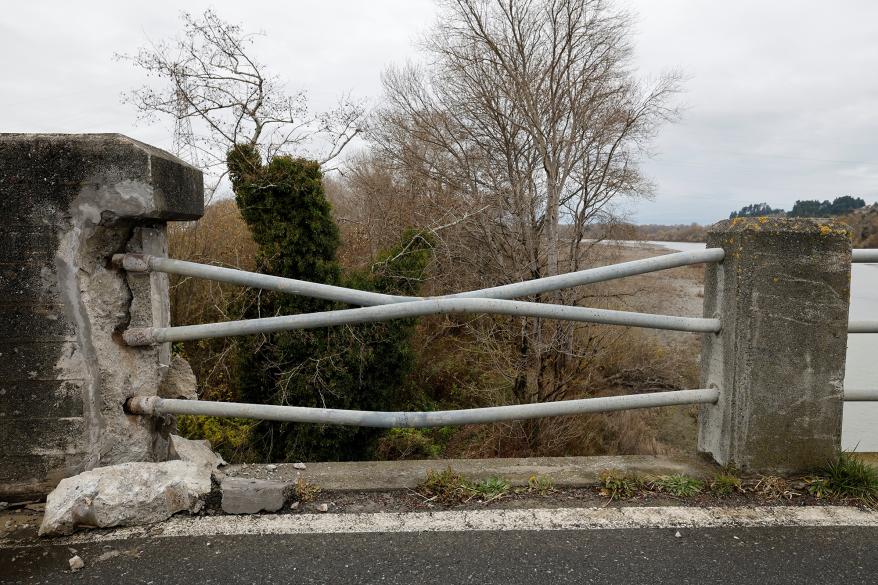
[(351, 367)]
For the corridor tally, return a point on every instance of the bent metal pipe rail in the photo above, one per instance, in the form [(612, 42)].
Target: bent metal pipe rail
[(153, 405), (144, 263), (437, 306)]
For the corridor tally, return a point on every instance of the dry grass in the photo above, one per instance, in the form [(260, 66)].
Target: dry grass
[(305, 491)]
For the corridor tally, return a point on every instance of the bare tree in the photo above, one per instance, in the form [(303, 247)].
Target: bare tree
[(219, 95), (530, 111)]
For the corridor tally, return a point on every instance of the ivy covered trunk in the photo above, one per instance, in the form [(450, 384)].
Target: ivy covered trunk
[(364, 367)]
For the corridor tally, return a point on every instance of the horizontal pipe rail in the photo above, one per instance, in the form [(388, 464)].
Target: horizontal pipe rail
[(865, 255), (148, 336), (860, 394), (144, 262), (153, 405), (863, 327)]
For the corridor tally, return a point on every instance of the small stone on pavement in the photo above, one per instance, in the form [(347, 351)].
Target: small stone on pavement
[(76, 563)]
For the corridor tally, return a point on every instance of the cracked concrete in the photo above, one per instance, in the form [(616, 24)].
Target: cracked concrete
[(71, 202)]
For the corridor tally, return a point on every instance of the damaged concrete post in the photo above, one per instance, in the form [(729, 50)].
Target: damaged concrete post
[(69, 202), (782, 294)]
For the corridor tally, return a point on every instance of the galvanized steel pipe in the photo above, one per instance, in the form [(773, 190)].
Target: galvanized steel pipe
[(865, 255), (153, 405), (863, 327), (143, 262), (147, 336), (860, 395)]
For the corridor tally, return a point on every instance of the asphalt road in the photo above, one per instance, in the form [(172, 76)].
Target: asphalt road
[(763, 556)]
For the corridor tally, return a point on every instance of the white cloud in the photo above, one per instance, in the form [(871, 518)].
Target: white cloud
[(781, 98)]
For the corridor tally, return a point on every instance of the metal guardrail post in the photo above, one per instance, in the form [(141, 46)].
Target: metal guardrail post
[(782, 294)]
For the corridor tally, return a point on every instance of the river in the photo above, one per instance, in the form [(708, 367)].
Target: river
[(859, 429)]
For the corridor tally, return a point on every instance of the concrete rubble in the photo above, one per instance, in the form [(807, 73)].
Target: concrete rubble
[(124, 495), (249, 496), (76, 563), (198, 452), (179, 381)]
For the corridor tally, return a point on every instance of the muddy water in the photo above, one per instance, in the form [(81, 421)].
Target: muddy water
[(860, 427)]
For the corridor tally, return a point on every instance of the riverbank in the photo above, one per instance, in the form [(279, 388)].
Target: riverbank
[(678, 291)]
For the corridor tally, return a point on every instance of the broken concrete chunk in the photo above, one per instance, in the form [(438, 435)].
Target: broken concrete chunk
[(198, 452), (298, 465), (124, 495), (248, 496), (76, 563), (179, 381)]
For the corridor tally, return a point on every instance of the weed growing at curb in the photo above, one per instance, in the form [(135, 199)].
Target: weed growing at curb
[(846, 477), (617, 486), (491, 488), (447, 487), (724, 484), (680, 486), (450, 488), (540, 484), (305, 491)]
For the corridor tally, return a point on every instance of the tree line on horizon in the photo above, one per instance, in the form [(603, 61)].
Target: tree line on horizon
[(804, 208)]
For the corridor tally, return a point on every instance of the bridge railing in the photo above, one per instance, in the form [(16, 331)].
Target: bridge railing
[(815, 241)]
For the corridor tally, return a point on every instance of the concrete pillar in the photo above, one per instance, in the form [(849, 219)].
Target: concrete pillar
[(782, 294), (68, 203)]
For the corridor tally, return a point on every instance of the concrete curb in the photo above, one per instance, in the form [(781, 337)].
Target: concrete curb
[(565, 472)]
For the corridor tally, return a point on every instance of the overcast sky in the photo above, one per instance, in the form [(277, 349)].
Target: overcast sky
[(781, 99)]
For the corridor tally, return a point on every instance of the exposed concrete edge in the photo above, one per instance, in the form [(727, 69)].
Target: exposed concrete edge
[(484, 520), (565, 472)]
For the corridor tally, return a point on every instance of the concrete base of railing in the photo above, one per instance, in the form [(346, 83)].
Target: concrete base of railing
[(564, 472), (782, 295)]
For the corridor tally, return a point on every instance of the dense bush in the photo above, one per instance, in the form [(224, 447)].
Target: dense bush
[(352, 367)]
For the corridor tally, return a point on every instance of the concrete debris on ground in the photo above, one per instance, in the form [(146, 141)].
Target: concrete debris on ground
[(124, 495), (299, 465), (179, 381), (76, 563), (198, 452), (249, 496)]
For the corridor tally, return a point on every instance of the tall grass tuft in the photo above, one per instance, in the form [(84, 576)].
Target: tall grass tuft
[(847, 477)]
